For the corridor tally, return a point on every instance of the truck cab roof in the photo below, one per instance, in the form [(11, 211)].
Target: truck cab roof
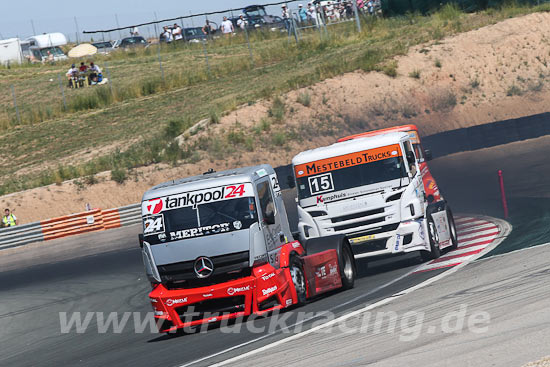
[(207, 180), (349, 146)]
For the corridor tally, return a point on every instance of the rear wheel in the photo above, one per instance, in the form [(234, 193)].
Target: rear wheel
[(298, 279), (347, 268), (434, 252)]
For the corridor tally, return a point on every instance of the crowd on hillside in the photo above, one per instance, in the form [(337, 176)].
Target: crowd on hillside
[(314, 13)]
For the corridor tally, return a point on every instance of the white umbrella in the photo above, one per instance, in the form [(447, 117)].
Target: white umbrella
[(84, 49)]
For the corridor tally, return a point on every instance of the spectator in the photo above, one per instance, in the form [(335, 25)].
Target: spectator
[(9, 220), (166, 35), (227, 26), (207, 29), (95, 73), (72, 73), (312, 13), (361, 5), (83, 67), (285, 14), (302, 13), (177, 32), (134, 31), (241, 22), (370, 7), (50, 57)]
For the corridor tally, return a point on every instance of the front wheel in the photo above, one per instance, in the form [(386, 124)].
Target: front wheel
[(434, 252), (347, 268), (452, 229), (298, 279)]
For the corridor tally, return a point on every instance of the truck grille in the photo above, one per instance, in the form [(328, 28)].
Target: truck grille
[(357, 215), (226, 267), (211, 308)]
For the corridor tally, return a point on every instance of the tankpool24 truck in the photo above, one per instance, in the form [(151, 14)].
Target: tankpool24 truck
[(218, 246), (375, 188)]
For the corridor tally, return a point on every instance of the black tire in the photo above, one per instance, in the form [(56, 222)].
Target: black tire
[(347, 267), (452, 229), (434, 242), (298, 279)]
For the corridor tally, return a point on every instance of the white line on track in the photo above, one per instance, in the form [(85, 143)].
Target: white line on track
[(477, 240), (476, 227), (471, 224), (461, 251), (486, 232)]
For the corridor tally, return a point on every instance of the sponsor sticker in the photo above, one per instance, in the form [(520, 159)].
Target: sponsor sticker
[(269, 290), (397, 243), (347, 160), (170, 301), (194, 198), (268, 276), (231, 291), (200, 231), (360, 239), (237, 224)]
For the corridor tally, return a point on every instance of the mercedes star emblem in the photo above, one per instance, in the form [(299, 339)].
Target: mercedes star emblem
[(204, 267)]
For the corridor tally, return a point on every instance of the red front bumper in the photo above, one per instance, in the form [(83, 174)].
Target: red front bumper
[(267, 289)]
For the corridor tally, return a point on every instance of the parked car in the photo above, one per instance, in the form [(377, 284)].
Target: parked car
[(103, 47), (129, 42), (194, 34)]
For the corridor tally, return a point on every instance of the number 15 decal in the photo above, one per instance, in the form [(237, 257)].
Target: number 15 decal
[(321, 183)]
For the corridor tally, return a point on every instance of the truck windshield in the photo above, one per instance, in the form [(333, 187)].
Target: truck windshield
[(349, 171), (206, 219)]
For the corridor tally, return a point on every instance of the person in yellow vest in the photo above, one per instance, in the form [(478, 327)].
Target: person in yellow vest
[(9, 220)]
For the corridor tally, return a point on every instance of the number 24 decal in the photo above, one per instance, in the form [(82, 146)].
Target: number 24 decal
[(234, 191)]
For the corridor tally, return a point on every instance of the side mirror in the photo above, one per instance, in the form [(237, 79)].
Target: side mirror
[(410, 157), (427, 155), (140, 239), (290, 182)]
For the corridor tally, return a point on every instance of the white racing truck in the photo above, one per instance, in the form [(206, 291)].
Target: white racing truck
[(375, 188), (218, 246)]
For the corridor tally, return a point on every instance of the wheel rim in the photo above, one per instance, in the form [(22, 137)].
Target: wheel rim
[(298, 279), (348, 267)]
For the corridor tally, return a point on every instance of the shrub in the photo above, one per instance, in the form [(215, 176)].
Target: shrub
[(119, 175), (443, 100), (437, 63), (390, 69), (514, 90), (277, 110), (279, 138), (304, 99), (415, 74), (214, 116)]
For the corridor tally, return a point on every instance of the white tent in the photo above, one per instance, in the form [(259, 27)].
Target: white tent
[(10, 51)]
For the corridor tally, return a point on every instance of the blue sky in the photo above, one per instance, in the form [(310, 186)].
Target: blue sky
[(58, 15)]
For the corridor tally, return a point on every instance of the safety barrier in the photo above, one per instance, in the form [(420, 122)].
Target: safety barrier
[(21, 235), (69, 225)]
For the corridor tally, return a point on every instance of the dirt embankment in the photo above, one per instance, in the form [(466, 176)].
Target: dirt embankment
[(493, 73)]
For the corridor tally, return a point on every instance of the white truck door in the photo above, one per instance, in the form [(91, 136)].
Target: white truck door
[(270, 221)]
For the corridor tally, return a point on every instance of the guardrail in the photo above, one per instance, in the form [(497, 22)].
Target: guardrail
[(69, 225)]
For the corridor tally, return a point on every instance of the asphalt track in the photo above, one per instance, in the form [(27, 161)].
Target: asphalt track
[(34, 295)]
